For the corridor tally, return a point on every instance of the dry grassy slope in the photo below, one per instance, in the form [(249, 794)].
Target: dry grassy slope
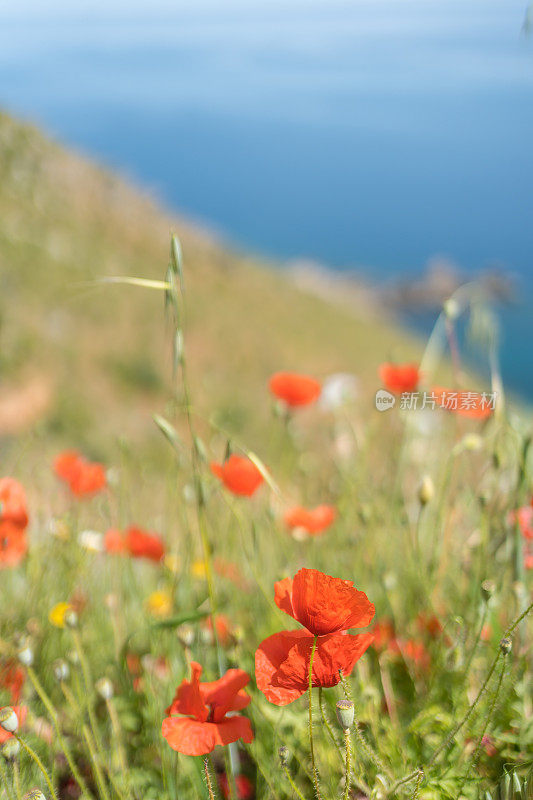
[(87, 366)]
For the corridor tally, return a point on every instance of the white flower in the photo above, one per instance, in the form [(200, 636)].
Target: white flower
[(92, 540), (338, 389)]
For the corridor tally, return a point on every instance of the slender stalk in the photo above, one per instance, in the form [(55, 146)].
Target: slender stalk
[(311, 740), (16, 780), (208, 779), (326, 722), (488, 720), (408, 778), (348, 746), (117, 732), (419, 777), (294, 788), (371, 753), (478, 637), (33, 755), (53, 716), (6, 783)]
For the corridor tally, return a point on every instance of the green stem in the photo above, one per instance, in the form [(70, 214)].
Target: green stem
[(16, 780), (488, 719), (53, 716), (348, 746), (40, 764), (294, 788), (311, 740), (7, 786), (208, 779)]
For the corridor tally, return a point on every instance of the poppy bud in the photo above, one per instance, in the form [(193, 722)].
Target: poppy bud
[(11, 749), (426, 491), (34, 794), (61, 670), (73, 657), (283, 754), (25, 655), (186, 635), (71, 618), (487, 590), (8, 719), (506, 645), (104, 687), (472, 442), (345, 713)]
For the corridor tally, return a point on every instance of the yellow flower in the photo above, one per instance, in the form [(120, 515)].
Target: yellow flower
[(159, 604), (172, 562), (198, 569), (58, 613)]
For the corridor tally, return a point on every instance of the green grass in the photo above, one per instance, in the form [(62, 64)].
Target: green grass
[(106, 354)]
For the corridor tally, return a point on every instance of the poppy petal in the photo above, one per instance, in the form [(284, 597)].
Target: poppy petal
[(324, 604), (195, 738)]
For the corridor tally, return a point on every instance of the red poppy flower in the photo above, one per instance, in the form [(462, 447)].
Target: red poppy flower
[(294, 389), (282, 662), (12, 680), (67, 464), (327, 607), (524, 518), (205, 706), (323, 604), (239, 475), (83, 477), (244, 786), (12, 503), (473, 405), (223, 628), (134, 542), (13, 545), (430, 624), (384, 635), (21, 713), (413, 652), (398, 378), (314, 520)]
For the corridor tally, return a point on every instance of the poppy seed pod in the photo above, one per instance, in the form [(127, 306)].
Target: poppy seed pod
[(8, 719), (11, 749), (104, 687), (426, 491), (284, 755), (61, 670), (506, 645), (34, 794), (345, 713)]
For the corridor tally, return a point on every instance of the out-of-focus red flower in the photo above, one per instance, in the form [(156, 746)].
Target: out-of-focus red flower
[(13, 510), (414, 652), (204, 707), (84, 477), (21, 712), (13, 545), (474, 405), (229, 570), (66, 464), (384, 635), (430, 624), (238, 474), (223, 628), (314, 520), (244, 786), (524, 518), (323, 604), (486, 633), (326, 607), (528, 559), (294, 389), (134, 542), (12, 680), (398, 378)]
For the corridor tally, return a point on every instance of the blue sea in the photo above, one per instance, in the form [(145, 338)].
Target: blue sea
[(372, 135)]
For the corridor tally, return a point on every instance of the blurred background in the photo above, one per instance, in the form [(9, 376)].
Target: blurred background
[(388, 140)]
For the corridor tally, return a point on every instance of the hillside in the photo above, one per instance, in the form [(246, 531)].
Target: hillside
[(87, 365)]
